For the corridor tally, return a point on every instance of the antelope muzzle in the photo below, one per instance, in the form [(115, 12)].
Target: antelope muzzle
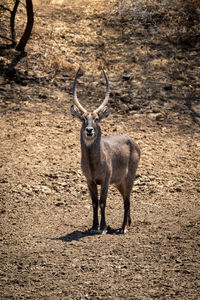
[(89, 131)]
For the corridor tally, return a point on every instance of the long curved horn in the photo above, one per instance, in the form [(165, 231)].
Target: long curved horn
[(79, 73), (105, 101)]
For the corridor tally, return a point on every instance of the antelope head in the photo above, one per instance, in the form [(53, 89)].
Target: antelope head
[(90, 120)]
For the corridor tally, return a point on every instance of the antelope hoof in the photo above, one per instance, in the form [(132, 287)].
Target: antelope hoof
[(94, 231), (103, 231), (123, 231)]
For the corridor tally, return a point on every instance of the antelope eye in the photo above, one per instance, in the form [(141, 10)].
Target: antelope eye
[(96, 119), (84, 119)]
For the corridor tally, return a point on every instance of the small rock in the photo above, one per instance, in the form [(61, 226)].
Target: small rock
[(156, 116), (123, 107), (45, 189)]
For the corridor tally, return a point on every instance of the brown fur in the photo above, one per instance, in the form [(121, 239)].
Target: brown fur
[(106, 160)]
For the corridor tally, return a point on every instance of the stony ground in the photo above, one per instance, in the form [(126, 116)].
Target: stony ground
[(46, 249)]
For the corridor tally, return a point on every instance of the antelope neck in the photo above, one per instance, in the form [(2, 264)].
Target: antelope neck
[(92, 152)]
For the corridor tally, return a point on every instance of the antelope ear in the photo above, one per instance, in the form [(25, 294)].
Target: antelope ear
[(104, 113), (75, 112)]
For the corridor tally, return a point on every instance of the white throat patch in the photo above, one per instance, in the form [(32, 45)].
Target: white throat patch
[(88, 141)]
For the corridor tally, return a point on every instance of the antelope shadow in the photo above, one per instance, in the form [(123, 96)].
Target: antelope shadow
[(77, 235)]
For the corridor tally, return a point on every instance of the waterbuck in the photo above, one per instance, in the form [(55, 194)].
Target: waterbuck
[(109, 159)]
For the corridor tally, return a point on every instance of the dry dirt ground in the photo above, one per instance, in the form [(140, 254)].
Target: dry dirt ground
[(46, 249)]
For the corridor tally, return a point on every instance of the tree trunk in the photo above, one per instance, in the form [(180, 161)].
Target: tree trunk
[(30, 20), (12, 22)]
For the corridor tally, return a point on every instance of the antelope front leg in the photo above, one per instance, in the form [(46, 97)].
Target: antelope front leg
[(94, 195), (104, 193)]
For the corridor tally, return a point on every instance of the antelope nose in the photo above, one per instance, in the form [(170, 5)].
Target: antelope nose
[(89, 131)]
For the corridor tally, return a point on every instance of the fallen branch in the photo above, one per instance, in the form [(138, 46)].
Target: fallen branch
[(6, 38), (5, 8)]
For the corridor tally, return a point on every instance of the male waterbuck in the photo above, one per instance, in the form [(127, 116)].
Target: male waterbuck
[(105, 160)]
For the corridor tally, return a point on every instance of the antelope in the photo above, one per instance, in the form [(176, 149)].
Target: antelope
[(105, 160)]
